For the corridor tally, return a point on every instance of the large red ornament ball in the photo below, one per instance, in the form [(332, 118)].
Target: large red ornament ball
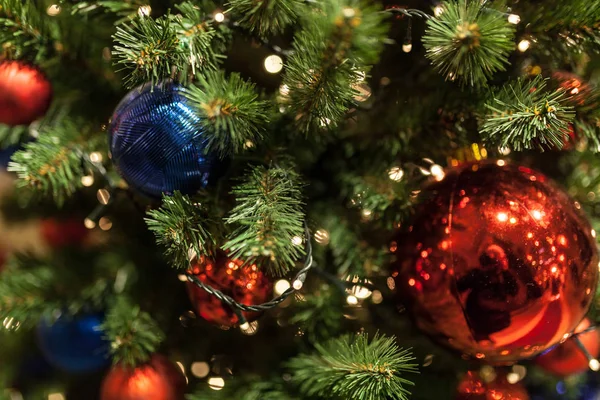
[(25, 93), (498, 262), (245, 283), (567, 358), (474, 387), (63, 233), (158, 379)]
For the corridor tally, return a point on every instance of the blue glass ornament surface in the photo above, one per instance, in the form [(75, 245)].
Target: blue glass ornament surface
[(157, 143), (75, 344)]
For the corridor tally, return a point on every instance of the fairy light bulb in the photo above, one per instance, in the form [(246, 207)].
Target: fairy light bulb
[(524, 45), (53, 10), (219, 17), (273, 64), (396, 174), (144, 11), (514, 19)]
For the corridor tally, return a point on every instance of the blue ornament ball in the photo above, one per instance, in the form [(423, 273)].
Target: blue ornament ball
[(157, 143), (74, 344)]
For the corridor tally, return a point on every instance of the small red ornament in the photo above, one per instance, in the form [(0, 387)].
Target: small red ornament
[(498, 263), (474, 387), (245, 283), (25, 93), (62, 233), (567, 358), (158, 379), (580, 92)]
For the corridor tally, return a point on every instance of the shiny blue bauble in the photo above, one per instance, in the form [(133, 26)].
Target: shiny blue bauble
[(74, 344), (157, 143)]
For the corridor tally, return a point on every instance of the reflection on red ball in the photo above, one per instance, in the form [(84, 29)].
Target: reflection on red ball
[(25, 93), (244, 283), (62, 233), (498, 263), (474, 387), (158, 379), (566, 358)]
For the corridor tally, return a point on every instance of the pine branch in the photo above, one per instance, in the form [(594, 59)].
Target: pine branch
[(250, 388), (468, 42), (200, 38), (52, 165), (268, 215), (265, 17), (526, 115), (24, 29), (319, 314), (338, 43), (352, 367), (126, 9), (229, 111), (148, 49), (134, 335), (182, 228), (23, 295)]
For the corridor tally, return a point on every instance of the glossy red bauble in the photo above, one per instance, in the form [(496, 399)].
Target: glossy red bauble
[(158, 379), (567, 358), (242, 282), (474, 387), (61, 233), (25, 93), (498, 263)]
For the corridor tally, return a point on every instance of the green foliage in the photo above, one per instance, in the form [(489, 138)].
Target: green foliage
[(53, 164), (468, 42), (268, 215), (352, 367), (249, 388), (319, 314), (24, 29), (339, 41), (123, 8), (265, 17), (527, 115), (148, 49), (182, 227), (134, 335), (229, 111)]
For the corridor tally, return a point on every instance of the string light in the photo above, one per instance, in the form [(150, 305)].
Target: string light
[(53, 10), (244, 326), (87, 180), (89, 223), (594, 364), (103, 196), (182, 277), (297, 241), (216, 383), (524, 45), (437, 172), (438, 10), (514, 19), (352, 300), (322, 236), (96, 157), (281, 286), (144, 11), (396, 174), (273, 64), (407, 47), (297, 285), (252, 329), (284, 90), (200, 369), (105, 224), (219, 17)]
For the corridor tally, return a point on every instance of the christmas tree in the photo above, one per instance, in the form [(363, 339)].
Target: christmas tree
[(289, 199)]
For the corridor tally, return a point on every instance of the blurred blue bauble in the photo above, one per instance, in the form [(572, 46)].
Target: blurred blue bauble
[(74, 344), (157, 143)]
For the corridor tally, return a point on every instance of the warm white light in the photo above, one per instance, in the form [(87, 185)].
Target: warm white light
[(366, 213), (352, 300), (105, 223), (438, 10), (322, 236), (349, 12), (87, 180), (537, 214), (593, 232), (281, 286), (297, 285), (144, 11), (297, 241), (181, 367), (523, 45), (273, 64), (200, 369), (407, 47), (96, 157), (216, 383), (504, 151), (56, 396), (594, 364), (501, 163), (437, 172), (396, 174), (251, 330), (514, 19), (502, 217), (182, 277), (244, 326), (53, 10), (103, 196), (90, 224), (512, 378), (377, 297), (219, 17), (284, 90)]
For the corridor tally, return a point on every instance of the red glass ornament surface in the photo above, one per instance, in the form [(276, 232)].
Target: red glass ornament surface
[(61, 233), (473, 387), (567, 358), (25, 93), (158, 379), (244, 283), (498, 263)]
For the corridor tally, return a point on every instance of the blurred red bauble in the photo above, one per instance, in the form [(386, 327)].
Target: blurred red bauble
[(567, 358), (498, 263), (244, 283), (62, 233), (25, 93), (580, 92), (474, 387), (158, 379)]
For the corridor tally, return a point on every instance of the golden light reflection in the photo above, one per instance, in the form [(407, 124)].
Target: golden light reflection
[(502, 217)]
